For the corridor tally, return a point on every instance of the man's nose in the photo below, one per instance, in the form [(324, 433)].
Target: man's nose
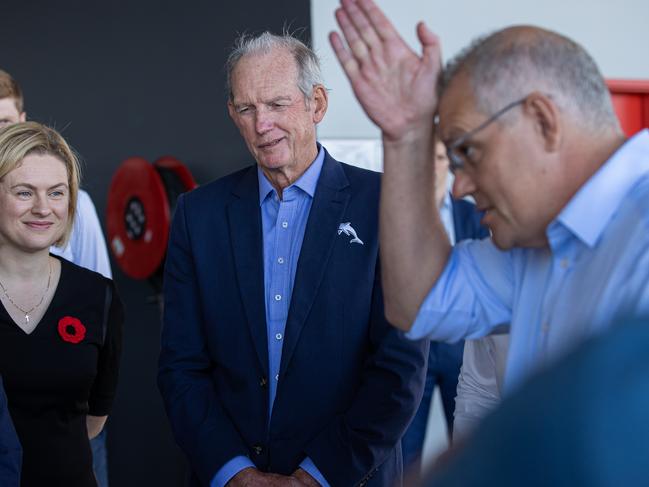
[(264, 121), (463, 184)]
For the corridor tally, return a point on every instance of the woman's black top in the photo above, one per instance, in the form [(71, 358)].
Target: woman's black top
[(63, 370)]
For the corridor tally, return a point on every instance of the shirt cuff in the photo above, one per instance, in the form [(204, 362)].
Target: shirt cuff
[(425, 322), (309, 467), (230, 469)]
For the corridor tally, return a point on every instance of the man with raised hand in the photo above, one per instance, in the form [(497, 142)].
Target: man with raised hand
[(532, 136)]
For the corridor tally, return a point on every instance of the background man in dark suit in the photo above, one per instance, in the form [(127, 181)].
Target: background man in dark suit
[(461, 222), (10, 450), (277, 364)]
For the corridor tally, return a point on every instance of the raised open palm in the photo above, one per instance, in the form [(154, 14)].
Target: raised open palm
[(395, 86)]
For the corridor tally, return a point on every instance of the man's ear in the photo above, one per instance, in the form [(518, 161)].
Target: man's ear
[(23, 116), (548, 121), (231, 111), (321, 102)]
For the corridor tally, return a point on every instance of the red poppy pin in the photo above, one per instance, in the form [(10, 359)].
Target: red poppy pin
[(71, 329)]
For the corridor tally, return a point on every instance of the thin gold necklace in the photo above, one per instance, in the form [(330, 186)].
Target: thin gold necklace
[(27, 312)]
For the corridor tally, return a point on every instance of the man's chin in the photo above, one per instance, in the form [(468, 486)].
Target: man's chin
[(502, 243), (502, 239), (272, 161), (272, 165), (508, 240)]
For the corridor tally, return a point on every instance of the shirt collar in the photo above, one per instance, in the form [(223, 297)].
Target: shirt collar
[(446, 202), (588, 212), (307, 182)]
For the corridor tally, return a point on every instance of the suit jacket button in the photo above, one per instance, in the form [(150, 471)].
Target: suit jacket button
[(263, 382), (257, 449)]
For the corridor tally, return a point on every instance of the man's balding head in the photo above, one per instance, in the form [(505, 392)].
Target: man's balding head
[(527, 118), (511, 63)]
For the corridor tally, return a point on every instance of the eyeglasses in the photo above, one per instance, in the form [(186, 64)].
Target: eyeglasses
[(457, 152)]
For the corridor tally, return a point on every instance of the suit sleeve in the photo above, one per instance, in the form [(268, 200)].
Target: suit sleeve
[(10, 450), (200, 425), (357, 442)]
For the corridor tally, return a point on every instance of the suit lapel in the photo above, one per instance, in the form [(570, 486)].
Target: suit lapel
[(327, 211), (458, 218), (466, 221), (244, 221)]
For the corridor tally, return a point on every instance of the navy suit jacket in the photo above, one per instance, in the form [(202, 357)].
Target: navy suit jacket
[(466, 221), (349, 383), (10, 450)]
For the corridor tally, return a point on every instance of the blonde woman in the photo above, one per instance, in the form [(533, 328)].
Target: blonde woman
[(60, 324)]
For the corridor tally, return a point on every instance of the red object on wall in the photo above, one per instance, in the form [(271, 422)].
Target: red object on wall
[(631, 103), (141, 200)]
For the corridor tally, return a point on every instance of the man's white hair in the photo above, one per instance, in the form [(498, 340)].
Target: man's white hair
[(308, 64)]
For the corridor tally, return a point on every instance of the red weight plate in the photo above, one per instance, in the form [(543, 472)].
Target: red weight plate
[(182, 172), (138, 218)]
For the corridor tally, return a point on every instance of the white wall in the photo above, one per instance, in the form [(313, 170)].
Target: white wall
[(615, 32)]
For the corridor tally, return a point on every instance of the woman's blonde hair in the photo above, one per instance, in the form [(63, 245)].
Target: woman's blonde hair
[(22, 139)]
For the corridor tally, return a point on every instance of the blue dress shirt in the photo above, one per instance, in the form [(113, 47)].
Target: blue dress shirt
[(446, 214), (595, 268), (86, 246), (283, 225)]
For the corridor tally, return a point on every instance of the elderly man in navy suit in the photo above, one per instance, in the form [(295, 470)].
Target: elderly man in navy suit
[(277, 365)]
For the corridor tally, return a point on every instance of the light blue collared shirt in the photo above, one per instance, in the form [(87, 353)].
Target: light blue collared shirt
[(595, 268), (283, 225), (446, 214), (86, 247)]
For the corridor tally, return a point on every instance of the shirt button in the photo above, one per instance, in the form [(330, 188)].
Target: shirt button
[(278, 297), (284, 224), (277, 377), (545, 327), (564, 263), (280, 260), (278, 336)]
